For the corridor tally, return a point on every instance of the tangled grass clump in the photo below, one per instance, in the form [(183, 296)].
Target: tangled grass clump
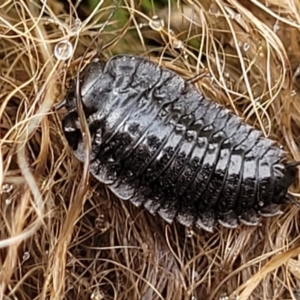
[(62, 234)]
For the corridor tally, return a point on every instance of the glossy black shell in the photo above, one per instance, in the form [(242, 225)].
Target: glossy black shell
[(158, 142)]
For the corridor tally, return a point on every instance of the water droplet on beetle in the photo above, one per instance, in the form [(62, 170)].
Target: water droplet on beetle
[(63, 50), (110, 160)]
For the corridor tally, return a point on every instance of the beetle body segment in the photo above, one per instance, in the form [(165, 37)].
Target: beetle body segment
[(158, 142)]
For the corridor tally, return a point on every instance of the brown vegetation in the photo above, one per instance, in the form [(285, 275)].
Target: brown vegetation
[(57, 242)]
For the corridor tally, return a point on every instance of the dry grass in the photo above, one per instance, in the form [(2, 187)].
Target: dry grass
[(56, 243)]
